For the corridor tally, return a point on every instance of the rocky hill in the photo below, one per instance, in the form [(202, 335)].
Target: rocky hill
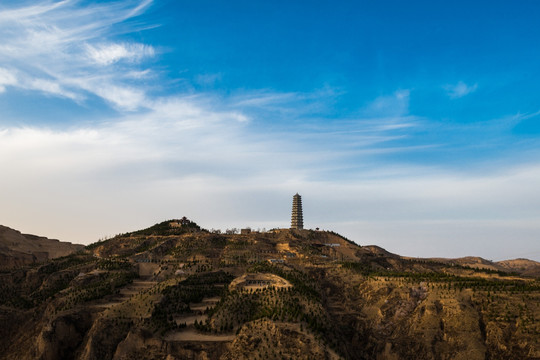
[(176, 291), (18, 249)]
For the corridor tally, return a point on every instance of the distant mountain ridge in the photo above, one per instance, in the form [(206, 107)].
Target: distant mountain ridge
[(524, 267), (17, 249)]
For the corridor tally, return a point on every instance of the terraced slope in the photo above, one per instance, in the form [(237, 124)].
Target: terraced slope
[(176, 291)]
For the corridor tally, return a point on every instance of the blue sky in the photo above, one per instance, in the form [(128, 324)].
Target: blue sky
[(410, 125)]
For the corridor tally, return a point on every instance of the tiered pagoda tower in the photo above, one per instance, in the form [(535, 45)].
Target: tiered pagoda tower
[(297, 219)]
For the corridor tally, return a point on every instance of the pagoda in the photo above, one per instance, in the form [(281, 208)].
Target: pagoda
[(297, 219)]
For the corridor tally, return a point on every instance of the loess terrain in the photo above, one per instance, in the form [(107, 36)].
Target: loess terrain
[(176, 291), (18, 249)]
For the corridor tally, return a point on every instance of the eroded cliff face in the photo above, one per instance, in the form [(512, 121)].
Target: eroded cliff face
[(389, 320), (103, 338), (62, 335), (14, 259), (208, 296), (17, 249)]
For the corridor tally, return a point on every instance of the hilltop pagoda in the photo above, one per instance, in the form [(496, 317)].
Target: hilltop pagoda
[(297, 219)]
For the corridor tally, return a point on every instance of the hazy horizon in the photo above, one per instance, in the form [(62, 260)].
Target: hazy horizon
[(411, 126)]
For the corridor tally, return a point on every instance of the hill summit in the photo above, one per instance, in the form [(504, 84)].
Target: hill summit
[(177, 291)]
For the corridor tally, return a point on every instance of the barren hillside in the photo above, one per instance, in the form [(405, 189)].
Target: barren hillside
[(176, 291)]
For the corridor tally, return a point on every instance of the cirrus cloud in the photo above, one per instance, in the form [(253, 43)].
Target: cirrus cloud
[(67, 50), (6, 78), (460, 90), (107, 54)]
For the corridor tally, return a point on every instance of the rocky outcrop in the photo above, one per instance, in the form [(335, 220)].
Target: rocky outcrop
[(103, 338), (63, 335)]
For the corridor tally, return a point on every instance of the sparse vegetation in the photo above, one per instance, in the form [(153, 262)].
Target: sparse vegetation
[(169, 227), (332, 300), (64, 262), (177, 298), (97, 287)]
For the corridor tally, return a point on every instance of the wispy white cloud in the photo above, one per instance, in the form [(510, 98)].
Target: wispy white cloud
[(198, 132), (6, 78), (50, 88), (61, 48), (107, 54), (520, 117), (28, 12), (140, 8), (208, 79), (285, 105), (396, 104), (125, 97), (460, 89), (266, 98)]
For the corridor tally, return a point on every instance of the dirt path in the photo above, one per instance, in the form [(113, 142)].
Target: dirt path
[(193, 335), (136, 287)]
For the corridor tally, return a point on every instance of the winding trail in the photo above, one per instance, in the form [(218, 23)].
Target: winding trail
[(194, 335)]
